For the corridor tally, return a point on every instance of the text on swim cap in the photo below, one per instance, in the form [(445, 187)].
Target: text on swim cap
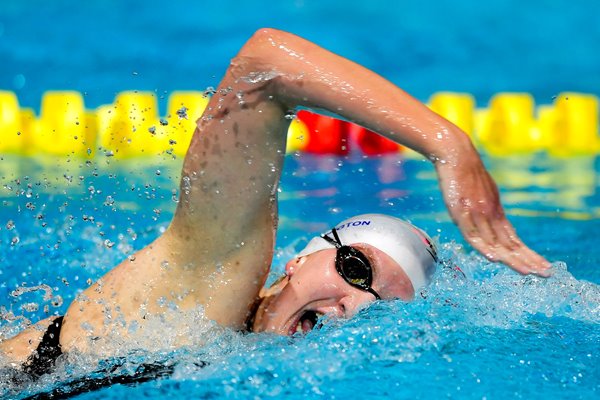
[(353, 223)]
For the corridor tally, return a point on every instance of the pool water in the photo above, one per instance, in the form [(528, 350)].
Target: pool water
[(106, 46), (488, 334), (485, 332)]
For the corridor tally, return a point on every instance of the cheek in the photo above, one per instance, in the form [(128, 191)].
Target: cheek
[(399, 286), (316, 287)]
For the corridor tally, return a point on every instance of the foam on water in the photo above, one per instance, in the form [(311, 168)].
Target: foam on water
[(460, 320), (484, 331)]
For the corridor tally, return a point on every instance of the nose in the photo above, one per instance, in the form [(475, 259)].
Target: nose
[(352, 303), (293, 265)]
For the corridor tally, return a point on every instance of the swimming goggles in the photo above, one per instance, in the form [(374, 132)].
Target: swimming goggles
[(352, 265)]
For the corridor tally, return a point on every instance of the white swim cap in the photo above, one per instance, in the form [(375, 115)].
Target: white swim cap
[(406, 244)]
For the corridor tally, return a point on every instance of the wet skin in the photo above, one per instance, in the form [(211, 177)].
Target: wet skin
[(218, 249), (312, 284)]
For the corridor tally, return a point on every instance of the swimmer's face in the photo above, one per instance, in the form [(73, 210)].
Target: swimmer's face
[(312, 287)]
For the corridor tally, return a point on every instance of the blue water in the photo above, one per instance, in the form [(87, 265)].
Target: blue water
[(106, 46), (493, 334)]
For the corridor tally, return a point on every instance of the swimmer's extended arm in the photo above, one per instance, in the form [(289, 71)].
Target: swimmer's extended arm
[(277, 68), (312, 76)]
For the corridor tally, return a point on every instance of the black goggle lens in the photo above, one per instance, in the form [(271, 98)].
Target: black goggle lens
[(352, 265)]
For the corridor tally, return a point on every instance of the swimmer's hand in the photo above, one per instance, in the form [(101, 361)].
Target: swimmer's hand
[(473, 201)]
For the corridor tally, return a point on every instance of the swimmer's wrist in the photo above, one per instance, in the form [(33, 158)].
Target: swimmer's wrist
[(451, 147)]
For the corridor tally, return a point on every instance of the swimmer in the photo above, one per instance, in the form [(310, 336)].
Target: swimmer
[(217, 251)]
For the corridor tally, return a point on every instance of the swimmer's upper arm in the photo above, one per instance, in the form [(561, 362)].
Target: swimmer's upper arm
[(232, 168), (227, 210), (227, 206)]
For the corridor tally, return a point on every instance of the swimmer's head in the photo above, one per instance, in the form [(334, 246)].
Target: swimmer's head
[(363, 258), (406, 244)]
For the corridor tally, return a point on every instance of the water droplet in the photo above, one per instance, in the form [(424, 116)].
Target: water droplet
[(240, 97), (263, 76), (57, 301), (30, 307), (225, 91), (182, 113), (186, 184)]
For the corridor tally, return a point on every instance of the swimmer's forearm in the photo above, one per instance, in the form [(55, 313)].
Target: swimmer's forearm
[(307, 75)]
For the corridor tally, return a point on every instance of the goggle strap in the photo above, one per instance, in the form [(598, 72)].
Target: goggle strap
[(337, 242), (335, 235), (373, 292)]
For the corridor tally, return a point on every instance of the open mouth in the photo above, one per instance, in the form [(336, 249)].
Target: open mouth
[(306, 322)]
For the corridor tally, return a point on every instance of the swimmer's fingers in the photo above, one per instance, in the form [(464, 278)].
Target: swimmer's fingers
[(474, 204), (509, 239), (497, 240)]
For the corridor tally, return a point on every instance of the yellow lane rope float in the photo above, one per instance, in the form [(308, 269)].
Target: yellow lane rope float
[(131, 126)]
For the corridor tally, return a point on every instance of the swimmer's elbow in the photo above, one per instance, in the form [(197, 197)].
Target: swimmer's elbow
[(267, 35), (262, 43), (259, 39), (257, 54)]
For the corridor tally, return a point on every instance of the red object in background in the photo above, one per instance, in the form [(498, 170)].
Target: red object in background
[(329, 135), (371, 143)]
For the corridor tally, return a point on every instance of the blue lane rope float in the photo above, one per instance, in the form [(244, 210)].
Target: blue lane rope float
[(132, 126)]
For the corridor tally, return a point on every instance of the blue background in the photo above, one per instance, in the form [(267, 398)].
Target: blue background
[(106, 46)]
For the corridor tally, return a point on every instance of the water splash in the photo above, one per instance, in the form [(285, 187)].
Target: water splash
[(261, 76), (487, 301), (174, 337), (493, 295)]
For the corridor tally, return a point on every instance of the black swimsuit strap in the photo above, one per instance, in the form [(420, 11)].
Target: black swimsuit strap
[(43, 358)]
